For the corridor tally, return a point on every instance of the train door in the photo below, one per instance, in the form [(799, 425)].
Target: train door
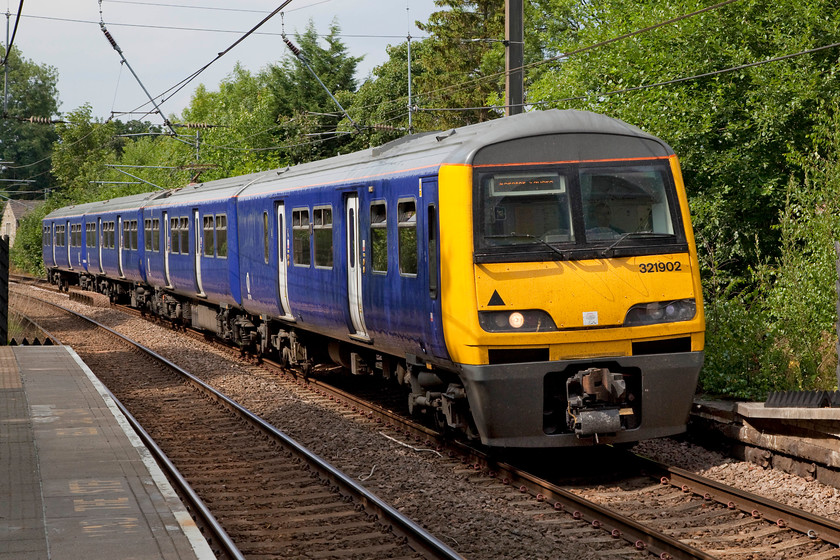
[(197, 247), (434, 330), (99, 237), (355, 250), (282, 263), (167, 245), (53, 243), (67, 239), (121, 235)]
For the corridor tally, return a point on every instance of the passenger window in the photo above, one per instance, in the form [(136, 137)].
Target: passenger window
[(322, 234), (209, 248), (175, 236), (378, 237), (147, 234), (134, 244), (300, 236), (156, 235), (265, 237), (126, 235), (221, 235), (185, 235), (407, 226)]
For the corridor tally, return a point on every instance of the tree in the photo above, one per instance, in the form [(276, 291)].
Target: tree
[(31, 92), (243, 133), (737, 133), (463, 62), (380, 107), (307, 116)]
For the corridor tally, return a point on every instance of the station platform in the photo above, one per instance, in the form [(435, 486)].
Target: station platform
[(75, 481)]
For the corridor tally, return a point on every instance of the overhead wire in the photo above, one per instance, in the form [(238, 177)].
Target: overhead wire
[(471, 83), (183, 83), (14, 33)]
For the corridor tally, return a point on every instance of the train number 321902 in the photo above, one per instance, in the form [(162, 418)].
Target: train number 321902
[(660, 266)]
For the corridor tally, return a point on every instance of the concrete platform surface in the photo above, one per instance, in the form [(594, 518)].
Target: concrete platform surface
[(75, 481)]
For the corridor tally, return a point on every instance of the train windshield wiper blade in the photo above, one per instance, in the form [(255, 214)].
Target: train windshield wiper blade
[(633, 235), (514, 235)]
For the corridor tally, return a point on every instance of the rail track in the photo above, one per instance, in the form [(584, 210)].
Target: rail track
[(271, 496), (655, 510)]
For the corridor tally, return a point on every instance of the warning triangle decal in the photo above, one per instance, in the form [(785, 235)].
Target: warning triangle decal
[(496, 299)]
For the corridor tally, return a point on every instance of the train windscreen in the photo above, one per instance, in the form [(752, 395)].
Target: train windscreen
[(577, 210)]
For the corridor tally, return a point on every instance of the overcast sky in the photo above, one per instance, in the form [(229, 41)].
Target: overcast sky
[(165, 41)]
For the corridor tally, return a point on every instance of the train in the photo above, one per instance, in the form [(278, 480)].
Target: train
[(532, 281)]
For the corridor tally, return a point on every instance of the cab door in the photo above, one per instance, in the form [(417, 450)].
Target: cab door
[(431, 248), (355, 258)]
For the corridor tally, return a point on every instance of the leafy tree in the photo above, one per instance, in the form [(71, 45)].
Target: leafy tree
[(737, 133), (244, 129), (31, 92), (380, 107), (307, 116), (463, 61)]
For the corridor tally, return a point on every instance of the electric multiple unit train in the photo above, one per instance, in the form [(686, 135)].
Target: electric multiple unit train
[(532, 280)]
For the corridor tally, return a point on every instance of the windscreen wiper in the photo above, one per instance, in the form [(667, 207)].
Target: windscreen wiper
[(514, 235), (632, 234)]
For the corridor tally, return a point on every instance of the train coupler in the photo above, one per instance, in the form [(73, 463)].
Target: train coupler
[(596, 402)]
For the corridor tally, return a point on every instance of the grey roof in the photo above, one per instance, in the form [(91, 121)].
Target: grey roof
[(21, 208), (404, 156)]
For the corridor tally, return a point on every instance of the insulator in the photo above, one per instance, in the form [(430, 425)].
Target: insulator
[(291, 46), (195, 125), (41, 120), (110, 39)]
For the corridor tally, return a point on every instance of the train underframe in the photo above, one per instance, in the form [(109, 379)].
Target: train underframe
[(438, 395), (564, 403)]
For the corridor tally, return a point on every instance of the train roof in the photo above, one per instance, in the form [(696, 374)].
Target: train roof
[(111, 205), (428, 151), (418, 154)]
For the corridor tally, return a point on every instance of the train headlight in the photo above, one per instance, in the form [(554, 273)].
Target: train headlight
[(530, 320), (661, 312)]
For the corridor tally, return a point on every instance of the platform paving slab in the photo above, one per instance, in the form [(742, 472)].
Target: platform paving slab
[(75, 481)]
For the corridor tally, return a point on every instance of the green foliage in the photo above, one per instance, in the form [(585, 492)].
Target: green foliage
[(243, 113), (463, 61), (32, 92), (736, 133), (759, 146), (308, 118)]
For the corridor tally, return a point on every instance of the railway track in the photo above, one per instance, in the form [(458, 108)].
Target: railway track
[(273, 497), (653, 509)]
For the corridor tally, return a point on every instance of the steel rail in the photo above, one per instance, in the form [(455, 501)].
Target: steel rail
[(219, 535), (616, 524), (418, 538), (759, 507)]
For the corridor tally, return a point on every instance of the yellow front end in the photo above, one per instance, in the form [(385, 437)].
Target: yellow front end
[(588, 299), (509, 374)]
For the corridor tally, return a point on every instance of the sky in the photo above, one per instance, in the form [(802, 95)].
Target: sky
[(165, 41)]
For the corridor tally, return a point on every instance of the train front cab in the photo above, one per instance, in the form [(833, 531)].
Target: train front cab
[(569, 332)]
